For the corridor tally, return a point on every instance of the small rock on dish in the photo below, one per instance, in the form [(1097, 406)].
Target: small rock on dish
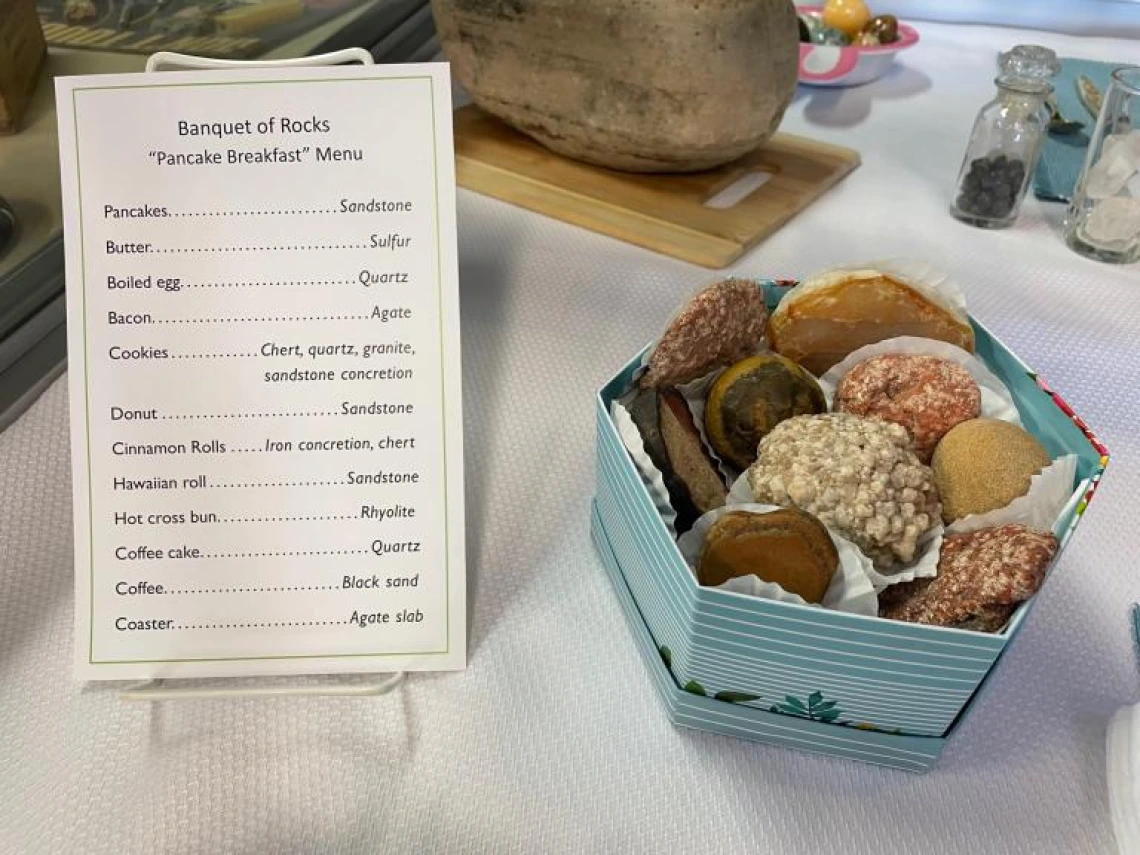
[(788, 548), (984, 464), (827, 317), (830, 36), (722, 324), (752, 397), (982, 577), (927, 395), (859, 476), (847, 16)]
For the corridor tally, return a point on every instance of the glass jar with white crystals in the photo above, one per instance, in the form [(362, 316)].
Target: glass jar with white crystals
[(1104, 216), (1006, 140)]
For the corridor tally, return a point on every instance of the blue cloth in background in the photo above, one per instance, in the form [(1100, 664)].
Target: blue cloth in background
[(1063, 156)]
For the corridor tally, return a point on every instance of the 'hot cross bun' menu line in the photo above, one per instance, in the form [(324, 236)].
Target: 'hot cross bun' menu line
[(263, 312)]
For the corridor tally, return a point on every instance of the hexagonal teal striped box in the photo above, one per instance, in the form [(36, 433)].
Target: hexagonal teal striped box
[(800, 664)]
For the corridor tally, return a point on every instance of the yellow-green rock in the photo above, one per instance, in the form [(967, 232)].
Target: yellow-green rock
[(753, 396)]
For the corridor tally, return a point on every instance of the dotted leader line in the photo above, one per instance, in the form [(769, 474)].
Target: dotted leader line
[(285, 248), (266, 625), (244, 415), (253, 590), (288, 519), (213, 355), (279, 484), (280, 284), (289, 553), (254, 320)]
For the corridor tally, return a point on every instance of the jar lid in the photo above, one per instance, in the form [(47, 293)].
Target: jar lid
[(1028, 66)]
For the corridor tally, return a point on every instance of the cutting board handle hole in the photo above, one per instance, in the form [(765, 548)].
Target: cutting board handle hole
[(739, 190)]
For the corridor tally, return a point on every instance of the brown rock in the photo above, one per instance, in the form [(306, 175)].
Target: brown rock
[(984, 464), (635, 85), (751, 398), (927, 395), (788, 547)]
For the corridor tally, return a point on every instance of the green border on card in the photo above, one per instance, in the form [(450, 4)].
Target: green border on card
[(86, 390), (442, 367)]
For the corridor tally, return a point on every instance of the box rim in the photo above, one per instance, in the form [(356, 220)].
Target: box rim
[(604, 398)]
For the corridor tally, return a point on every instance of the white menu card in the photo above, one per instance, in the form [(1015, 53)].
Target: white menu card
[(264, 371)]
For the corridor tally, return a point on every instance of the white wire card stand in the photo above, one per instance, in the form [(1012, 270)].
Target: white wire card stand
[(329, 685)]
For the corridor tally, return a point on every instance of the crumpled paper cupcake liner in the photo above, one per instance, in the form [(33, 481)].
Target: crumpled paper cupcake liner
[(851, 590), (1050, 491), (650, 474)]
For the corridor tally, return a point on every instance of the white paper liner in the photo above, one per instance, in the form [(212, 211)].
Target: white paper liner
[(740, 493), (851, 589), (997, 402), (1050, 490), (650, 474), (1064, 522), (642, 367), (924, 566)]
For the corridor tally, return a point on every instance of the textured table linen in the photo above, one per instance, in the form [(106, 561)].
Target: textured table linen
[(553, 739)]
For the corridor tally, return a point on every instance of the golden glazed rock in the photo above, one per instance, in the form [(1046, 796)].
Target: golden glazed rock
[(634, 85), (984, 464), (827, 317)]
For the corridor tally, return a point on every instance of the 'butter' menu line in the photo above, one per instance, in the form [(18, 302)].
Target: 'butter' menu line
[(264, 338)]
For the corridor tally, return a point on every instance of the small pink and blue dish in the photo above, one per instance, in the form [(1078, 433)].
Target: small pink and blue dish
[(849, 65)]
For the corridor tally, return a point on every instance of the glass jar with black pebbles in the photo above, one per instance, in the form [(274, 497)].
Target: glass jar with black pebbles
[(1006, 140)]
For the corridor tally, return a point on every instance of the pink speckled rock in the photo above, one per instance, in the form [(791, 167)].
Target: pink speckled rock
[(722, 324)]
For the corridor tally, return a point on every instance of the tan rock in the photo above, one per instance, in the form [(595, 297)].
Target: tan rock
[(634, 85)]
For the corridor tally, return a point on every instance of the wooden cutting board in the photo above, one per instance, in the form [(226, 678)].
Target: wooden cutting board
[(664, 213)]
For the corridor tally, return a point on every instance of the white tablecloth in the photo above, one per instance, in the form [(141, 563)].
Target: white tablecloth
[(553, 739)]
